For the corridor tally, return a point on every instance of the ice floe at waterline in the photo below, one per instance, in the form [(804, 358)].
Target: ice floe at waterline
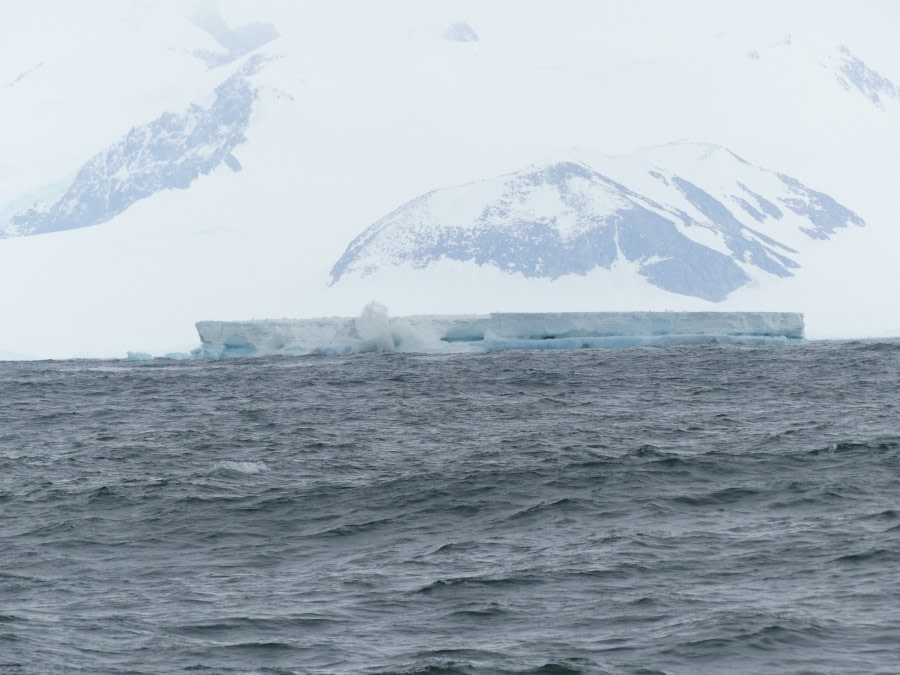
[(375, 331)]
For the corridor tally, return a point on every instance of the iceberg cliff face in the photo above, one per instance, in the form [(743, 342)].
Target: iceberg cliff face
[(374, 331), (696, 228)]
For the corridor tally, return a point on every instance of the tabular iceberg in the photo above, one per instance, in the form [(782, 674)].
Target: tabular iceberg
[(373, 330)]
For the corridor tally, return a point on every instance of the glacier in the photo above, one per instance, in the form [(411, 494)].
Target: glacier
[(374, 330)]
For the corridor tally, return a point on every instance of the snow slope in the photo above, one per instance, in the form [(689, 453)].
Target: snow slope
[(352, 109)]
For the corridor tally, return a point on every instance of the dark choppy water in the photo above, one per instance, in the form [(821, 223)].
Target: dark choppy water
[(680, 510)]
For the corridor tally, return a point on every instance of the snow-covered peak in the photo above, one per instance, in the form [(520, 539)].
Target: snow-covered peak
[(695, 217)]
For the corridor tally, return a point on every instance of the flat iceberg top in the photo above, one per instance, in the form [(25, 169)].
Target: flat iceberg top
[(373, 330)]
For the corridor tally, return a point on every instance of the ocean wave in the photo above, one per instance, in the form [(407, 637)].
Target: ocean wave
[(879, 555), (879, 346), (729, 495), (465, 661), (245, 467), (789, 632), (262, 646), (887, 514), (856, 447), (483, 582), (554, 507), (240, 624), (530, 507), (350, 529)]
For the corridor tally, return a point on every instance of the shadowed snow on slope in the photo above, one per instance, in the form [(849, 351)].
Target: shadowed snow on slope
[(168, 153), (568, 218)]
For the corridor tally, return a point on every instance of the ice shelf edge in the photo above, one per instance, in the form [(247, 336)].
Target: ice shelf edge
[(375, 331)]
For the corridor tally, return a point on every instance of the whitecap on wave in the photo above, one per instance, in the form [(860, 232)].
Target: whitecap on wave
[(241, 467)]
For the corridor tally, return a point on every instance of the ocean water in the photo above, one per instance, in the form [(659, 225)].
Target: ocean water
[(702, 509)]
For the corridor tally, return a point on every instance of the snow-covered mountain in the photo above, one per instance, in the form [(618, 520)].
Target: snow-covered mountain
[(167, 161), (168, 153), (695, 221)]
